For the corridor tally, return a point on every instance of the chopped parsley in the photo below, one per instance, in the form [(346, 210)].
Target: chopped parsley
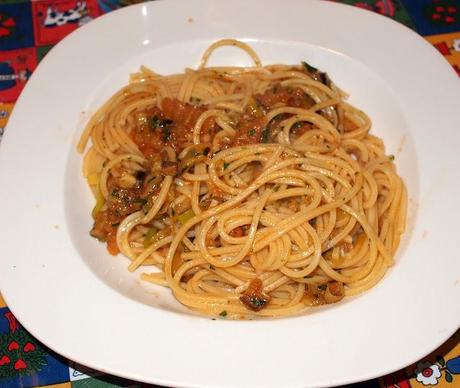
[(163, 124), (154, 122), (223, 314), (256, 302), (252, 132), (226, 165), (115, 193)]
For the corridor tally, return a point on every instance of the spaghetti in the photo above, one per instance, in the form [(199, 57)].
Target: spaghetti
[(249, 191)]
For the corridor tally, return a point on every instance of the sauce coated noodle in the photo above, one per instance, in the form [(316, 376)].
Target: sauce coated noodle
[(248, 192)]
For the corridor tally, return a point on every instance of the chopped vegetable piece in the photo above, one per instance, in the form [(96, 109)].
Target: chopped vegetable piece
[(309, 68), (160, 235), (100, 201), (126, 180), (320, 294), (334, 292), (317, 74), (265, 135), (254, 108), (184, 217), (156, 122), (93, 179), (237, 232), (254, 298), (149, 237)]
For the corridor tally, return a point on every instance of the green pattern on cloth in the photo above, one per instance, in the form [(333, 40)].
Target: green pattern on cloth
[(391, 8), (21, 355)]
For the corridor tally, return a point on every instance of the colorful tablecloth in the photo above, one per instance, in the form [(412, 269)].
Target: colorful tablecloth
[(29, 29)]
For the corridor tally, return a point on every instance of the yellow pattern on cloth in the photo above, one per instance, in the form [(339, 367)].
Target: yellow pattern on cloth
[(2, 302), (449, 46), (440, 369)]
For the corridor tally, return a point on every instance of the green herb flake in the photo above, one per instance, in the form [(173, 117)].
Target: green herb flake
[(391, 157), (223, 314), (256, 302), (226, 165), (164, 124), (252, 132), (154, 122)]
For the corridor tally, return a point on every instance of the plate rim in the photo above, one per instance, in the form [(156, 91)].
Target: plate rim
[(23, 101)]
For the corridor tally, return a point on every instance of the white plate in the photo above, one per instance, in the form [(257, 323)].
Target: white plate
[(69, 293)]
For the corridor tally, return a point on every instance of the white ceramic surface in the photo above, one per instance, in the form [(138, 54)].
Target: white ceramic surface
[(81, 302)]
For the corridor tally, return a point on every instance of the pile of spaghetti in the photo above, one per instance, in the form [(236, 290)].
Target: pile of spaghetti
[(247, 191)]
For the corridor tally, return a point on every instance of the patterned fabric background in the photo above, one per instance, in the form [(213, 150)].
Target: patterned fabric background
[(29, 29)]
